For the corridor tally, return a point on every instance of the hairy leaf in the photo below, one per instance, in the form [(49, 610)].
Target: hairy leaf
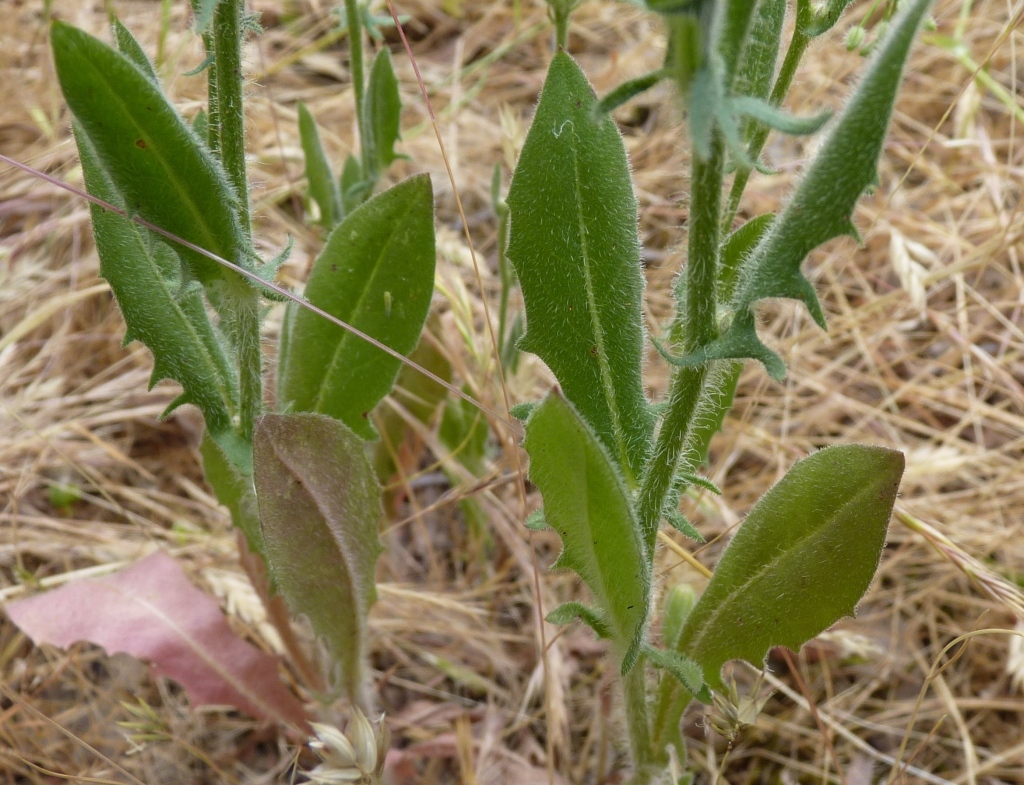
[(575, 249), (320, 507), (382, 112), (822, 206), (756, 70), (682, 669), (151, 611), (824, 18), (168, 318), (734, 23), (233, 488), (568, 612), (164, 173), (627, 91), (353, 189), (586, 502), (129, 46), (801, 560), (323, 188), (377, 274)]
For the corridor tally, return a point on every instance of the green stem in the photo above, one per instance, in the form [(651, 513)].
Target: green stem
[(355, 48), (561, 26), (227, 42), (242, 320), (701, 328), (241, 302), (797, 47), (635, 697)]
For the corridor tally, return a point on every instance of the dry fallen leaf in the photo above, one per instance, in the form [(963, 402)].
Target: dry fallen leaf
[(152, 611)]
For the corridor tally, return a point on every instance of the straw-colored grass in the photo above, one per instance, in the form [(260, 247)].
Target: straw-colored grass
[(924, 353)]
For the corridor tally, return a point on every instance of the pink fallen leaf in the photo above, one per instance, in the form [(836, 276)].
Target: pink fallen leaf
[(152, 611)]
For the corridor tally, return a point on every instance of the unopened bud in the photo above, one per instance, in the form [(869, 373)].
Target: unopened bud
[(855, 38)]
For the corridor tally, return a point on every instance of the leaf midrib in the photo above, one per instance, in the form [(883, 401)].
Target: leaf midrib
[(356, 309), (169, 170), (710, 624), (595, 321)]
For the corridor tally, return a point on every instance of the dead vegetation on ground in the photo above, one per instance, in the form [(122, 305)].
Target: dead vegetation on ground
[(925, 353)]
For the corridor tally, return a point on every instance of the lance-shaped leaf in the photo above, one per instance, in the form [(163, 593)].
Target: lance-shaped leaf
[(575, 249), (152, 611), (377, 274), (382, 113), (232, 485), (801, 560), (733, 26), (323, 188), (320, 507), (586, 502), (756, 70), (129, 46), (153, 157), (822, 206), (170, 320)]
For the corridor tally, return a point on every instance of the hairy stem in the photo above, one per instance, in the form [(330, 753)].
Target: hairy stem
[(635, 696), (227, 42), (242, 320), (355, 48), (700, 328)]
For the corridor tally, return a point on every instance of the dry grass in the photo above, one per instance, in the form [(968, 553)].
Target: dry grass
[(924, 353)]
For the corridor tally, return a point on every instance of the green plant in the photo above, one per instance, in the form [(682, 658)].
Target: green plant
[(609, 465), (180, 261)]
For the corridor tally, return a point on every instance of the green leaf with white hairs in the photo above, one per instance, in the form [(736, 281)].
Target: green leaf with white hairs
[(233, 488), (323, 188), (129, 46), (320, 509), (800, 561), (154, 160), (569, 612), (160, 311), (821, 19), (822, 206), (575, 248), (587, 503), (733, 24), (684, 670), (381, 116), (375, 273), (755, 72)]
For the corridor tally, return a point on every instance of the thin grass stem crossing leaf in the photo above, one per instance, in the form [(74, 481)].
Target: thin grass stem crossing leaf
[(320, 507), (800, 561), (575, 249), (163, 172), (822, 206), (377, 274), (586, 502), (171, 320)]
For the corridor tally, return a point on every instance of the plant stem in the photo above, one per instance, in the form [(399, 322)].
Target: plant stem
[(561, 15), (227, 43), (241, 311), (635, 697), (241, 315), (701, 328), (355, 48)]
